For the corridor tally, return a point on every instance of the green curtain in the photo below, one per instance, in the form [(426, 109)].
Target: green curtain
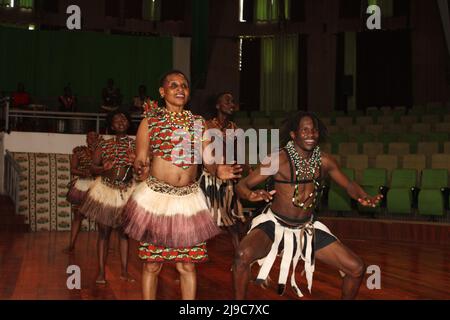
[(151, 10), (268, 10), (25, 4), (386, 6), (199, 43), (350, 65), (48, 60), (279, 73)]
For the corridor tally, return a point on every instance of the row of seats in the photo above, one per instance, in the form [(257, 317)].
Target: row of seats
[(421, 128), (403, 119), (411, 123), (418, 162), (403, 193), (397, 148)]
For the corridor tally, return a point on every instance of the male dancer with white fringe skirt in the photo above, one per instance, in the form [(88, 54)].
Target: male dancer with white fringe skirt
[(167, 212), (113, 162), (80, 167)]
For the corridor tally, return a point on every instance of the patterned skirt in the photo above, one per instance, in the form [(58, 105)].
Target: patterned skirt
[(160, 254)]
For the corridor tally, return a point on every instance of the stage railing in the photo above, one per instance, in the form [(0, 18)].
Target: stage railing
[(12, 179), (76, 120)]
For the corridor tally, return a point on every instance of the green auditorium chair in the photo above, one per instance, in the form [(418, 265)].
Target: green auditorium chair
[(409, 119), (439, 137), (337, 138), (344, 121), (433, 192), (278, 114), (346, 148), (240, 114), (374, 181), (430, 118), (362, 138), (386, 110), (400, 193), (374, 129), (243, 123), (398, 112), (338, 199), (397, 128), (384, 120), (261, 123), (385, 138), (442, 127), (411, 138), (355, 113), (387, 161), (399, 148), (364, 120), (278, 122), (447, 147), (373, 112), (417, 110)]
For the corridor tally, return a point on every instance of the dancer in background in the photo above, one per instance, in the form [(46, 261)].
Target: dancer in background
[(80, 167), (224, 203), (113, 163)]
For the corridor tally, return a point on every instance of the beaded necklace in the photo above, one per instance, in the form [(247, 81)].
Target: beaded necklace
[(221, 127), (305, 169), (179, 120)]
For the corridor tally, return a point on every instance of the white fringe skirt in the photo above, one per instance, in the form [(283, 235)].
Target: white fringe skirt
[(170, 216), (78, 190), (106, 200)]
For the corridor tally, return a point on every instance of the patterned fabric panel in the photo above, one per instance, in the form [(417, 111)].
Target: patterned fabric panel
[(43, 188)]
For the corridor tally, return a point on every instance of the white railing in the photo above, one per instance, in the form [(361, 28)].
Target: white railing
[(76, 118), (12, 179)]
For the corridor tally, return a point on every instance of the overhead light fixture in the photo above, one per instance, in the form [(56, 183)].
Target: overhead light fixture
[(31, 27), (241, 11)]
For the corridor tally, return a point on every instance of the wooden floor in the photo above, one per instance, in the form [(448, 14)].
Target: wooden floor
[(32, 266)]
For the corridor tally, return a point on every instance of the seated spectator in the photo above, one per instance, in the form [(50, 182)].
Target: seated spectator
[(21, 98), (67, 102), (111, 96), (138, 101)]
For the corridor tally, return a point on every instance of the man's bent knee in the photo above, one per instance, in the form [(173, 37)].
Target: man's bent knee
[(356, 268), (243, 257)]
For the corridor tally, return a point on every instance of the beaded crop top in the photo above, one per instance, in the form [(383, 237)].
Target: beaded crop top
[(174, 136), (84, 157), (118, 149)]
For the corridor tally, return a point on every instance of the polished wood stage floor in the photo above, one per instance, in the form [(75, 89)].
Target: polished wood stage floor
[(32, 266)]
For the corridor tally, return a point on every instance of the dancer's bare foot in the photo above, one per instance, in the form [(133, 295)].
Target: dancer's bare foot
[(100, 279), (127, 277), (266, 283)]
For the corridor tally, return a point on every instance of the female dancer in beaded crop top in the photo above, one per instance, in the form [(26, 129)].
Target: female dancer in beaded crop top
[(80, 167), (289, 220), (113, 162), (167, 212)]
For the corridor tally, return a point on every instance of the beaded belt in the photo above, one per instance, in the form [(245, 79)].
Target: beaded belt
[(117, 184), (163, 187)]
